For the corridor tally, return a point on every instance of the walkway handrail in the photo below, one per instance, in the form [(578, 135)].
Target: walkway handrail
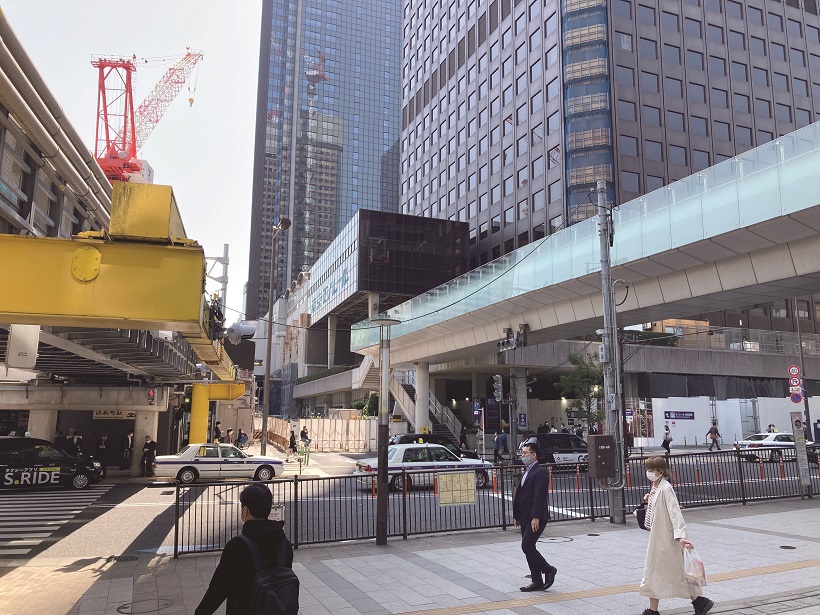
[(360, 373), (407, 405), (443, 414)]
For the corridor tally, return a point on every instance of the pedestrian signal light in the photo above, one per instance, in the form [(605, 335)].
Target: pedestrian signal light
[(152, 397)]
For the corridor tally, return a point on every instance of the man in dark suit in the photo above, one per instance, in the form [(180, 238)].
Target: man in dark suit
[(531, 513)]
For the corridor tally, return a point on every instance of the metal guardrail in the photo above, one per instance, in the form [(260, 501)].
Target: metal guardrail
[(341, 508)]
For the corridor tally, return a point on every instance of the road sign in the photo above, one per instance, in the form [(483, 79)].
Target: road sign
[(796, 390), (794, 381), (794, 370), (796, 398)]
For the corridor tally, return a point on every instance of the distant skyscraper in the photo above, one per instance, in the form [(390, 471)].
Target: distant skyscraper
[(327, 129), (513, 109)]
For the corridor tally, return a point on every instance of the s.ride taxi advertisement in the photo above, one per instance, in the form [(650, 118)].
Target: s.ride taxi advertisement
[(29, 477)]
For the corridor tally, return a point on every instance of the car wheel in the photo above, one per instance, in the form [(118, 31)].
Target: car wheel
[(775, 456), (187, 476), (80, 480), (265, 473), (397, 483), (481, 479)]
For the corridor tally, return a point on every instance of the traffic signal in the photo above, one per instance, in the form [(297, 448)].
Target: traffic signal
[(510, 343), (152, 397), (498, 387)]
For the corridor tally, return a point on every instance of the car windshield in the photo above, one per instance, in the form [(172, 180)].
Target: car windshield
[(391, 453), (757, 437), (183, 449)]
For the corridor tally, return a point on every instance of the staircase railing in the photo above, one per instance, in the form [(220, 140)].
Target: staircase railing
[(407, 405), (361, 372), (443, 414)]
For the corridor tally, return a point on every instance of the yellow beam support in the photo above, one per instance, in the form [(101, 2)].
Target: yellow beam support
[(82, 283), (201, 395)]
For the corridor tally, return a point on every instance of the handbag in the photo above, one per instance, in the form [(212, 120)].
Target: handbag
[(640, 515)]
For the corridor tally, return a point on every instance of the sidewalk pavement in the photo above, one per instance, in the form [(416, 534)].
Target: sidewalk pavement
[(761, 558)]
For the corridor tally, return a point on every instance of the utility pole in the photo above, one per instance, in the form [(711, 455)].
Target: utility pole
[(610, 361), (513, 406)]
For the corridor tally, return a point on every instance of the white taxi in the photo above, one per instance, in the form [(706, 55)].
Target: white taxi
[(415, 458), (207, 461)]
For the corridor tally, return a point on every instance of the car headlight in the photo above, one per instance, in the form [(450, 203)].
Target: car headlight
[(97, 465)]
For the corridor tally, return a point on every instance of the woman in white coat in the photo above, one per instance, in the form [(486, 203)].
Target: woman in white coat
[(663, 575)]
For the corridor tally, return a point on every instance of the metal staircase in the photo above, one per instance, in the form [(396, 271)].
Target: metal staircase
[(442, 421)]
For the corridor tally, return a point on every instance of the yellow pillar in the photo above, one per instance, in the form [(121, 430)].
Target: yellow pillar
[(199, 414), (201, 395)]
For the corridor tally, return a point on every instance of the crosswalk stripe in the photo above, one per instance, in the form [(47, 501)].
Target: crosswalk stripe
[(27, 519)]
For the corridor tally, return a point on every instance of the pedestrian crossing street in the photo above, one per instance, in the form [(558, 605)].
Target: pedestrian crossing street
[(28, 518)]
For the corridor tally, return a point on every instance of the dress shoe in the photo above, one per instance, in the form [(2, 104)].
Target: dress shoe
[(533, 587), (702, 605), (549, 576)]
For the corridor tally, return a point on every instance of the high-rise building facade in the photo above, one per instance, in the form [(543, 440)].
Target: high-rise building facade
[(327, 130), (513, 109)]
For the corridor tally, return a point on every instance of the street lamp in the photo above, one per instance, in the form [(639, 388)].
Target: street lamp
[(284, 224), (384, 322)]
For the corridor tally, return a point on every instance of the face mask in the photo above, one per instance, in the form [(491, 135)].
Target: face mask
[(528, 461), (652, 476)]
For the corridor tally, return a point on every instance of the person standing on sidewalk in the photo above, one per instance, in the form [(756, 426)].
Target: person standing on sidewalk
[(127, 449), (217, 432), (149, 454), (233, 577), (462, 437), (713, 434), (663, 575), (667, 438), (531, 512), (292, 447)]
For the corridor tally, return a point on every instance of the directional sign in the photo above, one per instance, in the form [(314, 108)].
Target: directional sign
[(794, 370), (796, 398), (794, 381)]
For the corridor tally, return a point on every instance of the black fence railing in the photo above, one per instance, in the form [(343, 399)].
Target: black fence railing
[(341, 508)]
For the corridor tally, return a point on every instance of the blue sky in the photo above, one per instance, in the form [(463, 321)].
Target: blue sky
[(204, 151)]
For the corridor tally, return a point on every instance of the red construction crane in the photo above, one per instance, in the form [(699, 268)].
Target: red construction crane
[(122, 130)]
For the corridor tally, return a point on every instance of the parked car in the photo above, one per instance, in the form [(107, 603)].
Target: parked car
[(776, 446), (420, 457), (207, 461), (560, 448), (429, 438), (31, 462)]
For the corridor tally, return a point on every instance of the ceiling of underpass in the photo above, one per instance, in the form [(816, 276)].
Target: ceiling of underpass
[(109, 357)]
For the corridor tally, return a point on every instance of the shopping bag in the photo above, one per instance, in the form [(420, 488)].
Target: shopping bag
[(693, 568)]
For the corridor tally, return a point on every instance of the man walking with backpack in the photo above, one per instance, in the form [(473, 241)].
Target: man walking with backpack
[(254, 573)]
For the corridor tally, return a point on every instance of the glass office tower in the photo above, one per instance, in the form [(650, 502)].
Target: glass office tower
[(327, 130), (513, 109)]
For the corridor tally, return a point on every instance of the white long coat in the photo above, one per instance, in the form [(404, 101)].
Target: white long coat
[(663, 575)]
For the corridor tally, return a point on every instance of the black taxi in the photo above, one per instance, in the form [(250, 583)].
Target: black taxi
[(31, 462)]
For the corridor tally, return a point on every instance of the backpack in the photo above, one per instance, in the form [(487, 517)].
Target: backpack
[(275, 589)]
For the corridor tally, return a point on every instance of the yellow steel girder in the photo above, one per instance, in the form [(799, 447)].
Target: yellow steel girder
[(200, 396), (148, 275)]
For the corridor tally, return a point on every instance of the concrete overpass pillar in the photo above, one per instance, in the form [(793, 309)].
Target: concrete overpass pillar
[(372, 304), (479, 385), (422, 396), (331, 340), (145, 424), (42, 424)]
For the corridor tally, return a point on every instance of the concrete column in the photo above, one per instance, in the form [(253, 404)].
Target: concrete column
[(42, 424), (145, 424), (331, 340), (372, 304), (422, 396)]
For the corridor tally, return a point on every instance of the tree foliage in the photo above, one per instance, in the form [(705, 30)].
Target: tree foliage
[(585, 386)]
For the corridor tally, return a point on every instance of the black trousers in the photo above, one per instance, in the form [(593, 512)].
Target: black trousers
[(538, 565), (665, 444)]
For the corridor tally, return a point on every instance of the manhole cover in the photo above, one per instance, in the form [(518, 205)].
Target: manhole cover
[(143, 606), (123, 558), (789, 547), (556, 539)]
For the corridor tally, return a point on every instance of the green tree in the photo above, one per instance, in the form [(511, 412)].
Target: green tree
[(373, 405), (584, 385)]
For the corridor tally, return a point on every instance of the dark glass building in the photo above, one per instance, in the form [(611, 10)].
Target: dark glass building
[(327, 130), (513, 109)]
